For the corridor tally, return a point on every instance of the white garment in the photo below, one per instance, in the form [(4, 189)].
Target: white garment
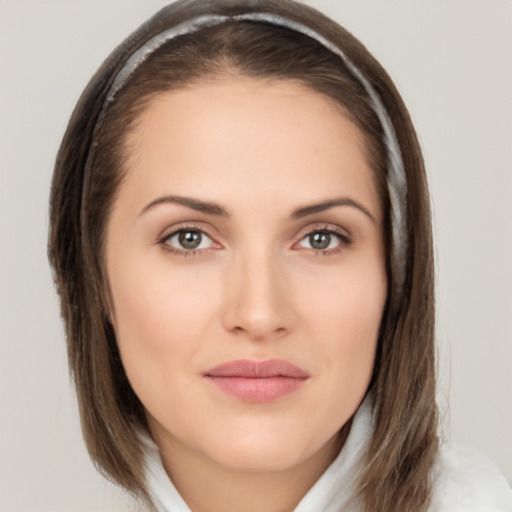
[(466, 482)]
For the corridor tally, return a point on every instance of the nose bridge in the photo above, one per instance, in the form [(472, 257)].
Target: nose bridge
[(257, 302)]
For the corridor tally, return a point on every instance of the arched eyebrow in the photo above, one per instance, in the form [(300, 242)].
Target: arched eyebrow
[(211, 208), (304, 211), (195, 204)]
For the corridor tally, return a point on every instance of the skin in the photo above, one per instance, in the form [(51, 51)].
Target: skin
[(256, 287)]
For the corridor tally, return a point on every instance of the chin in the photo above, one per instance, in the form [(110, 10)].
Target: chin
[(264, 451), (265, 458)]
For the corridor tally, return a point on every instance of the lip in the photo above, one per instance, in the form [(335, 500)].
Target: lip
[(257, 381)]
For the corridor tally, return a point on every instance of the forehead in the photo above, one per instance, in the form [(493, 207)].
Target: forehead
[(241, 135)]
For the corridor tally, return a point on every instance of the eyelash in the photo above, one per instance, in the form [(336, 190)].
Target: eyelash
[(163, 241), (343, 239)]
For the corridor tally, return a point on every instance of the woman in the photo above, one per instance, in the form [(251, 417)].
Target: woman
[(240, 233)]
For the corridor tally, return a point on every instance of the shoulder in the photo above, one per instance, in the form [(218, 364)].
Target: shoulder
[(469, 482)]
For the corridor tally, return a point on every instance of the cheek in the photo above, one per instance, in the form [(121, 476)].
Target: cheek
[(156, 317), (346, 319), (350, 302)]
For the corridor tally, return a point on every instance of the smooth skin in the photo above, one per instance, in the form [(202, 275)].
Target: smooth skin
[(213, 255)]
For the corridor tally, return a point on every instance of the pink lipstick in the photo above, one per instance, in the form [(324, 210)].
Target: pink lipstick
[(257, 381)]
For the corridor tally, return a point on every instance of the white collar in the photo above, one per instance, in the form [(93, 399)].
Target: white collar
[(333, 491)]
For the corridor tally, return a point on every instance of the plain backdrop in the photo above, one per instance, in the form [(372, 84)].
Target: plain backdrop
[(451, 60)]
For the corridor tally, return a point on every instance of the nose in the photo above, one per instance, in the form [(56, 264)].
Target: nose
[(259, 301)]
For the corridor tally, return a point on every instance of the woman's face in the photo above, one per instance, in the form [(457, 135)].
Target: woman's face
[(244, 254)]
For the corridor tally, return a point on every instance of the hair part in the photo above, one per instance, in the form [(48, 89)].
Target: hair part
[(402, 450)]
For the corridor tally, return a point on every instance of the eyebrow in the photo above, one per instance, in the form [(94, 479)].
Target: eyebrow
[(195, 204), (304, 211), (211, 208)]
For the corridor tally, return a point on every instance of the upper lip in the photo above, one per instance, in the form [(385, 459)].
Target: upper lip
[(248, 368)]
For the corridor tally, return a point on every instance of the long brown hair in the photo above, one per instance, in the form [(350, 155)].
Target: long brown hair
[(402, 450)]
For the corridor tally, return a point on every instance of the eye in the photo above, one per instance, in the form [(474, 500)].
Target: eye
[(324, 240), (188, 239)]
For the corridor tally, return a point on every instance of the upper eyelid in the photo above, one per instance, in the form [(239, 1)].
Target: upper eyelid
[(176, 231), (323, 226), (192, 226)]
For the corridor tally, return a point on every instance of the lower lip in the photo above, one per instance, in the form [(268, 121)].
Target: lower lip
[(257, 390)]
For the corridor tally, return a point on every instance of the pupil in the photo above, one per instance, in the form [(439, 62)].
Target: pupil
[(320, 240), (190, 239)]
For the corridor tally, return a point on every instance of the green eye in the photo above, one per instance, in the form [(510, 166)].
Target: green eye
[(320, 240), (324, 240), (188, 240)]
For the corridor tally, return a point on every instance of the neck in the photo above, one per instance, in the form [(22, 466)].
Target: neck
[(209, 487)]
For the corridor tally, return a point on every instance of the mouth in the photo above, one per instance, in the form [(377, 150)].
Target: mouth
[(257, 381)]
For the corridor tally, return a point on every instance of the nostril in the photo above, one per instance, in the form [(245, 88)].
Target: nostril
[(257, 302)]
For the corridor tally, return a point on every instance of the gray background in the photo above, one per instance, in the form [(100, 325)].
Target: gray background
[(451, 60)]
